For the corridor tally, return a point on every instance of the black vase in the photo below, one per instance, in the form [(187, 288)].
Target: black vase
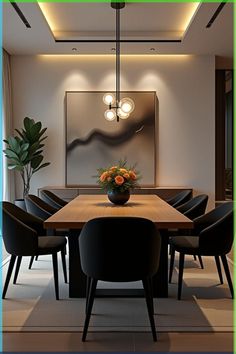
[(117, 197)]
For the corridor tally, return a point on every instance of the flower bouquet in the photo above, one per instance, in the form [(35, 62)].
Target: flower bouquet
[(118, 180)]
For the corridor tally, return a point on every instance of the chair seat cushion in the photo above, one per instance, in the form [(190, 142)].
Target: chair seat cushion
[(186, 244), (50, 244)]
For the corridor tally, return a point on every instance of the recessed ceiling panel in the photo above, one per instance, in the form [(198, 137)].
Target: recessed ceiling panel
[(98, 19)]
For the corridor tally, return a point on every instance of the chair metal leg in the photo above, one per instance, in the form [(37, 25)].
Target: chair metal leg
[(149, 302), (91, 296), (18, 263), (55, 272), (227, 273), (31, 262), (217, 259), (8, 277), (172, 260), (200, 261), (88, 284), (150, 287), (181, 271), (195, 257), (150, 292), (63, 261), (36, 258)]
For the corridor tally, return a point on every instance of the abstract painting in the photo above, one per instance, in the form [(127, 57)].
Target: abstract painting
[(93, 142)]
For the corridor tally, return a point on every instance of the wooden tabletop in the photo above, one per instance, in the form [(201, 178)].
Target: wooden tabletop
[(86, 207)]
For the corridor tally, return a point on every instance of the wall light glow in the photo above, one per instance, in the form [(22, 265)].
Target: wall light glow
[(189, 18), (110, 56), (48, 16)]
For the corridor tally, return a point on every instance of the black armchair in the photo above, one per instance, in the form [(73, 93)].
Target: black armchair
[(52, 199), (118, 249), (42, 210), (195, 207), (213, 236), (21, 240), (180, 198), (39, 207)]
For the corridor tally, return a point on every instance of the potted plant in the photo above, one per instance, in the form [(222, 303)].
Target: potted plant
[(25, 151), (118, 180)]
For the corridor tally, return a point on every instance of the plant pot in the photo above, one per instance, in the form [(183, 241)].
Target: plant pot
[(117, 197), (20, 203)]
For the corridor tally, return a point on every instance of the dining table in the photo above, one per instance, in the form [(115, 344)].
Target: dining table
[(83, 208)]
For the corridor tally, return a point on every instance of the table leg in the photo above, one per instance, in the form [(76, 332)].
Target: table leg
[(50, 232), (77, 279), (160, 280)]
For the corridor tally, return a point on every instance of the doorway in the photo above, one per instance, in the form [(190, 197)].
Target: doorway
[(224, 135)]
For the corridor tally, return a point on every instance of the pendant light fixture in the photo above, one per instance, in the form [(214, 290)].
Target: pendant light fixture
[(118, 108)]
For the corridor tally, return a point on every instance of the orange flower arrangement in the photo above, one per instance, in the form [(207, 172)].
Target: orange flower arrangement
[(118, 177)]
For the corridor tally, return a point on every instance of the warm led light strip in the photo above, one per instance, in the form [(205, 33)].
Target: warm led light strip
[(104, 56), (193, 13), (43, 8)]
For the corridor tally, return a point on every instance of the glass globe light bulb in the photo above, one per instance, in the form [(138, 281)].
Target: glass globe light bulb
[(108, 99), (127, 105), (122, 114), (110, 114)]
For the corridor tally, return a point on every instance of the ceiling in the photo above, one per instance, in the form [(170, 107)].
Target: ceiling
[(177, 28)]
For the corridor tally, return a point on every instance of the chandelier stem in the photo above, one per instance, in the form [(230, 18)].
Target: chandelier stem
[(117, 60)]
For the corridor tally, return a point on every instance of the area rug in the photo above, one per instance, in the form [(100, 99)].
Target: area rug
[(30, 305)]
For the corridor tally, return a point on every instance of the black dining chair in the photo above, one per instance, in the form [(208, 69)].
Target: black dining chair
[(33, 222), (180, 198), (52, 199), (21, 240), (194, 208), (30, 220), (119, 249), (213, 236), (39, 207)]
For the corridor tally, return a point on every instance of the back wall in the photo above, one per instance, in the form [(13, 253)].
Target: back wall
[(185, 87)]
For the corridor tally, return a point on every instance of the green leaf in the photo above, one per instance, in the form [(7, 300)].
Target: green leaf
[(22, 134), (45, 137), (16, 160), (28, 123), (38, 152), (42, 132), (19, 140), (12, 167), (15, 167), (36, 161), (14, 144), (10, 153), (24, 155), (34, 147), (41, 166), (24, 147), (35, 129)]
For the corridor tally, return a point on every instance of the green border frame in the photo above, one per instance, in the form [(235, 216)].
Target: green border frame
[(109, 1)]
